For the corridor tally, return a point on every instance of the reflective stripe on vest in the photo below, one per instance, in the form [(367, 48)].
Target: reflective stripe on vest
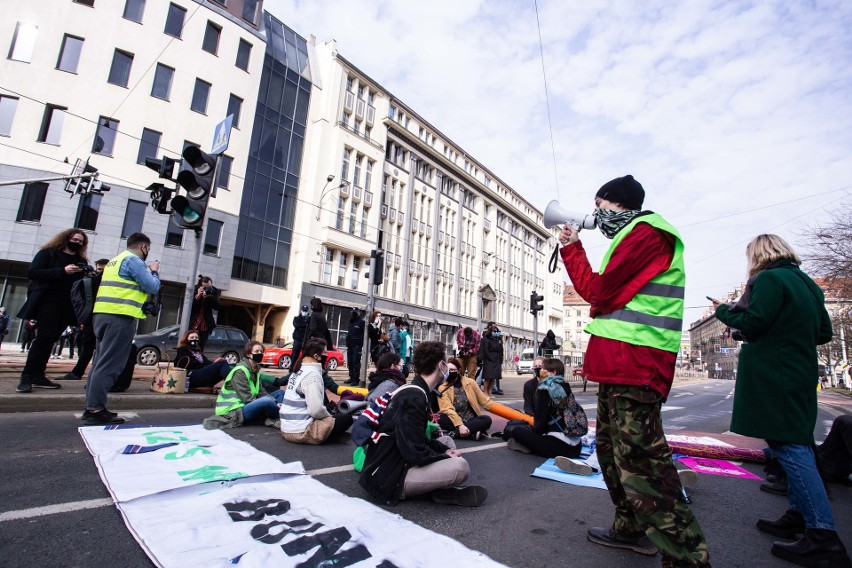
[(228, 399), (117, 295), (294, 413), (654, 316)]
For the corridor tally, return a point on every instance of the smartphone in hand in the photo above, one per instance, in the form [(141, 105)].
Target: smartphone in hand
[(714, 300)]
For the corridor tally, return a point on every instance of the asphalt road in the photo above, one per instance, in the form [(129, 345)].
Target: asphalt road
[(526, 522)]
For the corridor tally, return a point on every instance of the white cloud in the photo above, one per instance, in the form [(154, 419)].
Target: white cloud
[(717, 107)]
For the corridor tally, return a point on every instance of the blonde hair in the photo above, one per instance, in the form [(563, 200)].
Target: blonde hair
[(764, 249)]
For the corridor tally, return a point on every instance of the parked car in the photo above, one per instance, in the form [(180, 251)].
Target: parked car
[(224, 341), (525, 361), (280, 357)]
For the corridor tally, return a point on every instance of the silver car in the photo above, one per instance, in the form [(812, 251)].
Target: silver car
[(224, 341)]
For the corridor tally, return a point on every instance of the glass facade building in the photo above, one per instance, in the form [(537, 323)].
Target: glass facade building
[(271, 188)]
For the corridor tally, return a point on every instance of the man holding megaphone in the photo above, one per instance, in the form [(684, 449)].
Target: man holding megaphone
[(637, 309)]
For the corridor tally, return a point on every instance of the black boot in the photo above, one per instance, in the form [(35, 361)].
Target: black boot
[(790, 525), (819, 547)]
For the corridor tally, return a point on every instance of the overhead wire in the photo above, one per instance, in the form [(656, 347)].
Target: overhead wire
[(547, 99)]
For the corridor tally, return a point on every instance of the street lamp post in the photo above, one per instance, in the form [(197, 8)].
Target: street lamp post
[(486, 258), (325, 191)]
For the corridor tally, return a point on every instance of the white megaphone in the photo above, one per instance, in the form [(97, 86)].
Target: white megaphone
[(556, 215)]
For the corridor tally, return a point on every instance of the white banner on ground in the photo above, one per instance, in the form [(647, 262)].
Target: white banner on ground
[(195, 497), (134, 461), (296, 521)]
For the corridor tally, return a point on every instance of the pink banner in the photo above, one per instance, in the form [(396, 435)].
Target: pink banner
[(717, 467)]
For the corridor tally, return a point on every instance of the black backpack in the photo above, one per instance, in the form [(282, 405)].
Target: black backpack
[(83, 294)]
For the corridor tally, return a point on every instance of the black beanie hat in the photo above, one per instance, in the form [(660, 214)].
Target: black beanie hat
[(625, 191)]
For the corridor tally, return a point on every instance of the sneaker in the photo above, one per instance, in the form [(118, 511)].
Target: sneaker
[(577, 467), (513, 444), (638, 542), (477, 436), (44, 383), (688, 477), (272, 423), (69, 377), (470, 496), (101, 417), (24, 386)]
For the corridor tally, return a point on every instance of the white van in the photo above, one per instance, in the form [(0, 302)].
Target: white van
[(525, 361)]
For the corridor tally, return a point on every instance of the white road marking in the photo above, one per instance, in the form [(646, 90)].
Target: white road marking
[(683, 394), (667, 408), (53, 509)]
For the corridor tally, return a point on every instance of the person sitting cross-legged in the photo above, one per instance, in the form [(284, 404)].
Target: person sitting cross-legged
[(201, 372), (400, 463), (461, 405)]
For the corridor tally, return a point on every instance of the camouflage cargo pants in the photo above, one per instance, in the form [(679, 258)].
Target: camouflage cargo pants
[(643, 484)]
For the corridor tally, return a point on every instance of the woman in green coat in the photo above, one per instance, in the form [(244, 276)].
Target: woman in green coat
[(783, 318)]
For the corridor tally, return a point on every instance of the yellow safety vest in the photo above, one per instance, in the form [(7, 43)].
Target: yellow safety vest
[(654, 317), (117, 295), (228, 399)]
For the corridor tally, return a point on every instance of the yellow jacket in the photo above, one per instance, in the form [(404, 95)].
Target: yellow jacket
[(475, 397)]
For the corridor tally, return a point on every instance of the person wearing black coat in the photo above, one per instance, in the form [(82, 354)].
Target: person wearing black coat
[(54, 269), (355, 345), (4, 325), (200, 371), (548, 345), (317, 326), (491, 353), (206, 300), (404, 463), (300, 324)]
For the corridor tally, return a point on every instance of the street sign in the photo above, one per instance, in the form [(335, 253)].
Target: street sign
[(222, 135)]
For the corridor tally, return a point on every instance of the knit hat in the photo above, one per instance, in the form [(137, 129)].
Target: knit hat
[(625, 191)]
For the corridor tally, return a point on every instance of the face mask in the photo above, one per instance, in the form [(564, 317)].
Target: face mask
[(452, 376), (257, 357), (610, 222), (537, 373), (145, 255), (322, 359), (193, 343), (304, 312), (497, 334), (75, 247)]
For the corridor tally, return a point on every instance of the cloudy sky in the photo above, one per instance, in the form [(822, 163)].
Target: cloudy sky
[(736, 116)]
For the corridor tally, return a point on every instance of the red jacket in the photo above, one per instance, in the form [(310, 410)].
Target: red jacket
[(641, 255)]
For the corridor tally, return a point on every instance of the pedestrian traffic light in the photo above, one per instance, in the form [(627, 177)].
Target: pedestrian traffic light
[(197, 180), (165, 166), (536, 303), (376, 262), (160, 197)]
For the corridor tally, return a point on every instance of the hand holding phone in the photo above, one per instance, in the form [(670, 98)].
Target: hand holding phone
[(714, 300)]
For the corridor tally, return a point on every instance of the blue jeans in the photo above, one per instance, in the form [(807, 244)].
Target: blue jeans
[(806, 493)]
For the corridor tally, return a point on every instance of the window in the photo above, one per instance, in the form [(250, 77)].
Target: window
[(133, 10), (344, 170), (162, 87), (235, 105), (87, 212), (149, 145), (225, 164), (133, 218), (341, 271), (8, 106), (326, 269), (211, 38), (200, 96), (243, 55), (119, 72), (105, 136), (250, 10), (174, 234), (23, 42), (356, 268), (51, 124), (69, 53), (212, 237), (32, 202), (174, 20)]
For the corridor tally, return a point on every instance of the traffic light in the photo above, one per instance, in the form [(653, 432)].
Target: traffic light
[(160, 197), (376, 262), (165, 166), (536, 303), (197, 180)]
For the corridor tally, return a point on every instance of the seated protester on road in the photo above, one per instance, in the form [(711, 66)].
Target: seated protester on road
[(545, 437), (200, 371), (304, 417), (461, 405), (402, 463), (531, 385), (242, 399), (834, 455), (387, 377)]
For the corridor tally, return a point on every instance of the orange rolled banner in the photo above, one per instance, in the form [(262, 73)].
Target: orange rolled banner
[(509, 413), (356, 390)]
